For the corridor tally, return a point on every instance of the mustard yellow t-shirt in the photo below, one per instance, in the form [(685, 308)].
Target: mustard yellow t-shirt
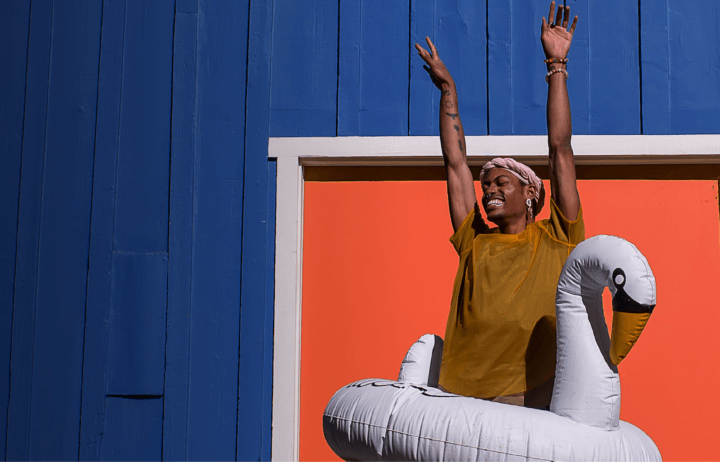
[(500, 337)]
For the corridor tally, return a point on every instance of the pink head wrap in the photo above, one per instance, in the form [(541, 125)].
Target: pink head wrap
[(524, 174)]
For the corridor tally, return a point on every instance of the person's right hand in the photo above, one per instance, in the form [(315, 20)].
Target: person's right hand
[(438, 72)]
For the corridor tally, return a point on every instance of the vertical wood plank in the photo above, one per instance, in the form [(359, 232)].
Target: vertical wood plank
[(457, 29), (499, 71), (460, 32), (133, 429), (52, 259), (614, 70), (14, 33), (529, 90), (99, 288), (518, 92), (65, 231), (49, 372), (348, 82), (579, 82), (218, 189), (373, 79), (384, 55), (694, 67), (304, 60), (256, 362), (423, 112), (655, 67), (25, 299), (254, 225), (177, 360), (265, 422), (141, 209)]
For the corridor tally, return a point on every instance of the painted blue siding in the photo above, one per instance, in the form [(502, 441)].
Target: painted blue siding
[(136, 324), (137, 202), (14, 33), (303, 94), (180, 234), (458, 30), (253, 422), (53, 232), (218, 164), (694, 65), (134, 429), (100, 259)]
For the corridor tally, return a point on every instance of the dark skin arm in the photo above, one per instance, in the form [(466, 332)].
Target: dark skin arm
[(461, 189), (556, 39)]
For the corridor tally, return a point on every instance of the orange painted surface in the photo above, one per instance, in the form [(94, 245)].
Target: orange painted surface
[(378, 272)]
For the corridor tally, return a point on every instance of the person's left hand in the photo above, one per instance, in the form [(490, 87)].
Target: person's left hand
[(555, 37)]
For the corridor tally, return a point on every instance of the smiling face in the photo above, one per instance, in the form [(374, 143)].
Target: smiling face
[(504, 199)]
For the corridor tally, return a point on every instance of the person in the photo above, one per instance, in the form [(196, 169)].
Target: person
[(500, 336)]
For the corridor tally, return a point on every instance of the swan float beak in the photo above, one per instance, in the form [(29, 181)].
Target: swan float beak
[(629, 319)]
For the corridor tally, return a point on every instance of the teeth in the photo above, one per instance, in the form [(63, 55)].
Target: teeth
[(495, 202)]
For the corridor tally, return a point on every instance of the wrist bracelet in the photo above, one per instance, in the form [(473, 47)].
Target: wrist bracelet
[(555, 71), (556, 60)]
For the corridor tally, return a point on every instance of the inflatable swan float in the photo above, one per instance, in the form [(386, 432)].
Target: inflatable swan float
[(410, 419)]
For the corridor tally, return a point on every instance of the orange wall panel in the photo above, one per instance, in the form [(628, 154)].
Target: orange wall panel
[(378, 272)]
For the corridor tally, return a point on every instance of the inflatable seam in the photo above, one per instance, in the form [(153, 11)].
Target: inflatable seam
[(444, 446), (417, 448), (389, 430)]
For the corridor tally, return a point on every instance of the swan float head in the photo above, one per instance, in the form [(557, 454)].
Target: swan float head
[(410, 419)]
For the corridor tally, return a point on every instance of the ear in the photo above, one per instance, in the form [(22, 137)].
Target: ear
[(530, 192)]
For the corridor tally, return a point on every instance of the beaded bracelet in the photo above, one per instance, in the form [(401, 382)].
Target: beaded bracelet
[(556, 60), (555, 71)]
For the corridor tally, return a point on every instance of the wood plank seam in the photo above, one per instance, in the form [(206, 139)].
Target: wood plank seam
[(640, 71), (90, 232), (242, 199), (181, 232)]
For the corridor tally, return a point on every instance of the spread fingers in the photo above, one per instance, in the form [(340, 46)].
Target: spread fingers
[(558, 18), (572, 26)]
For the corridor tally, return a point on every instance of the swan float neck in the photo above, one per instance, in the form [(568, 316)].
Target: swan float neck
[(587, 384)]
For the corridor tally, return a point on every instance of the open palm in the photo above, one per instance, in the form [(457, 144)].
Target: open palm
[(555, 37)]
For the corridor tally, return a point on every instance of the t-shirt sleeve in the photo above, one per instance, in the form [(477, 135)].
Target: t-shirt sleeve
[(471, 227), (564, 230)]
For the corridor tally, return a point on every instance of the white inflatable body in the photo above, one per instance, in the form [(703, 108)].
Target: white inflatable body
[(410, 419)]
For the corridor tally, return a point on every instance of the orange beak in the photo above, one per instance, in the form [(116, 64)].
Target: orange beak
[(629, 320)]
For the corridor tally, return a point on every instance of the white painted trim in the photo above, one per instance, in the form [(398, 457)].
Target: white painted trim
[(294, 153), (425, 150), (288, 310)]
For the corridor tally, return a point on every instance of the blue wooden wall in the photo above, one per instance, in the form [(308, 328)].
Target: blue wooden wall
[(137, 200)]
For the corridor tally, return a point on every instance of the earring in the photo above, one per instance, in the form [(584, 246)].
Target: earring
[(528, 202)]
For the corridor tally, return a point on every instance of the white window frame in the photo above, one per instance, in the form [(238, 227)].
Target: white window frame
[(293, 154)]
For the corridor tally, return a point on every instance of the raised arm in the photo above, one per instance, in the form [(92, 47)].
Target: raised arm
[(556, 41), (461, 189)]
